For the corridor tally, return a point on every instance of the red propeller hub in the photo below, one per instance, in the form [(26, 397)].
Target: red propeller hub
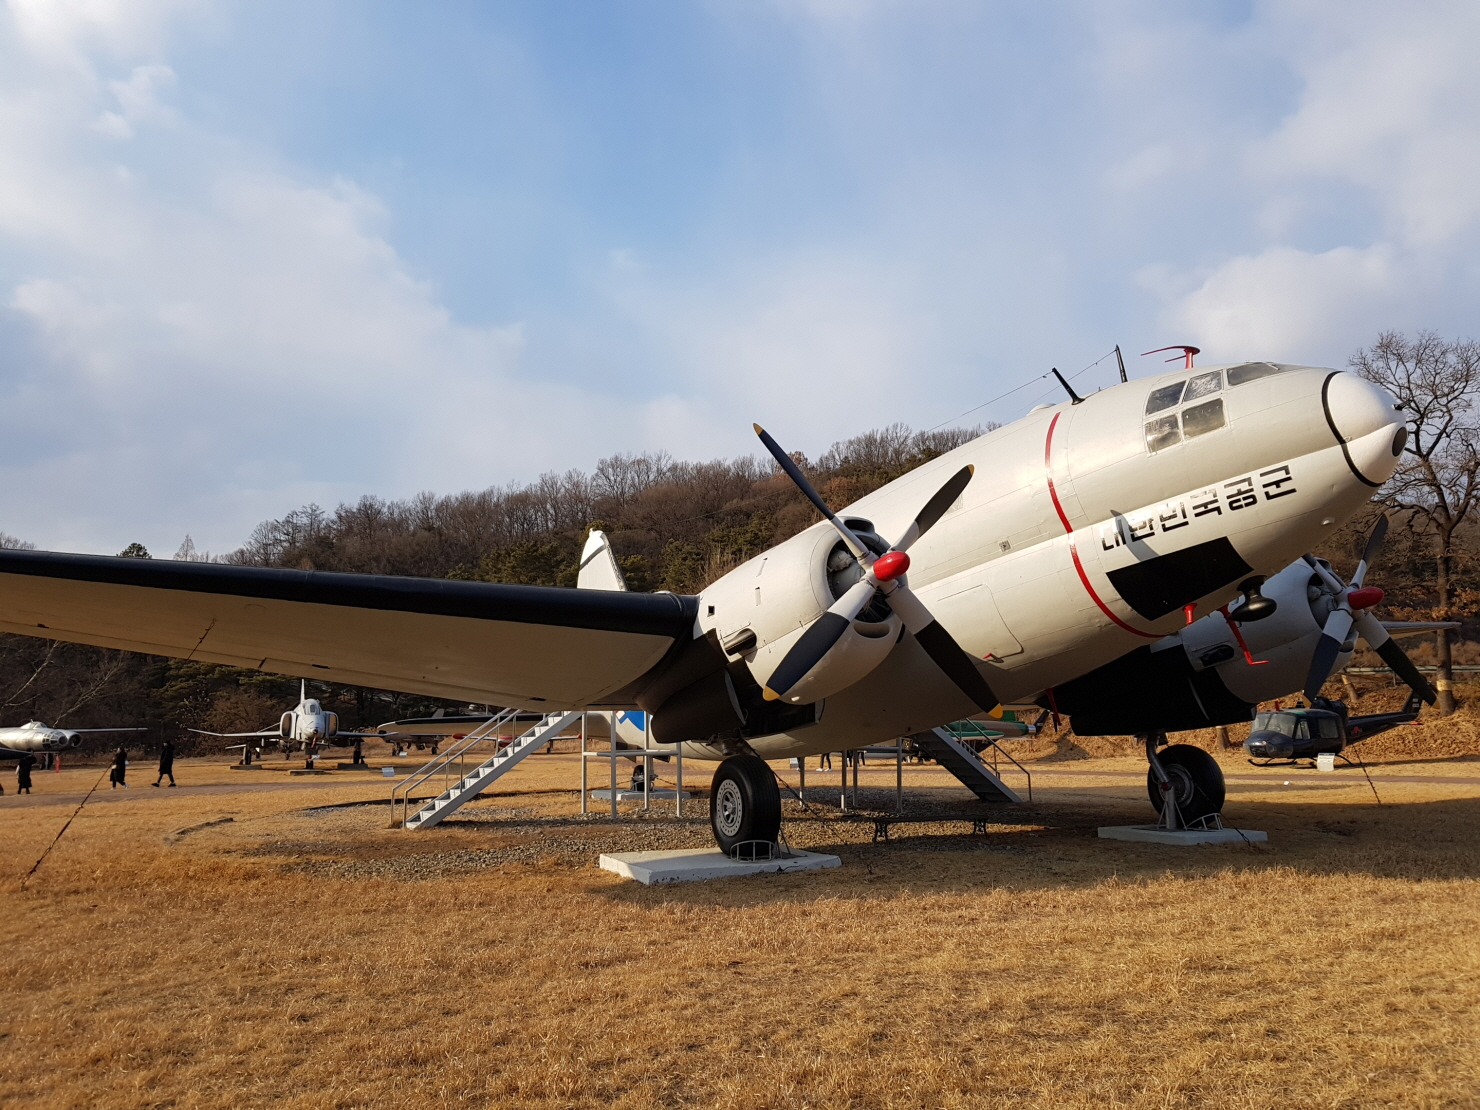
[(1364, 598), (891, 565)]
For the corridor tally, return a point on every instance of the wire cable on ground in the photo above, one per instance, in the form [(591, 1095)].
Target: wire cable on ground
[(64, 828)]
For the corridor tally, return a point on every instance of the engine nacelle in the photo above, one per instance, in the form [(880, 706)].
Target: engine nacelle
[(285, 726), (331, 724), (1282, 644), (762, 608), (1199, 676)]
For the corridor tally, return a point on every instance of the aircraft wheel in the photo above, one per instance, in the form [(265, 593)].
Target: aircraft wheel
[(1197, 781), (744, 802)]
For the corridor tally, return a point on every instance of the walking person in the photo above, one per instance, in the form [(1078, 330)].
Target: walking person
[(120, 769), (166, 762), (23, 773)]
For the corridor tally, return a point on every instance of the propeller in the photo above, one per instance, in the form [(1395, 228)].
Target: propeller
[(1354, 602), (883, 573)]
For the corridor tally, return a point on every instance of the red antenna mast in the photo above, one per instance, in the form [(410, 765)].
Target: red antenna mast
[(1187, 353)]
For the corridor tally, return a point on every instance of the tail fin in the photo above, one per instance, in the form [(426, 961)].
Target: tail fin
[(599, 570)]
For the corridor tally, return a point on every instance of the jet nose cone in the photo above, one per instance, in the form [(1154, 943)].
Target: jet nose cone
[(1357, 408)]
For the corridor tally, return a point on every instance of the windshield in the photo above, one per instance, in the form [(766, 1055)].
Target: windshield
[(1253, 371), (1283, 723)]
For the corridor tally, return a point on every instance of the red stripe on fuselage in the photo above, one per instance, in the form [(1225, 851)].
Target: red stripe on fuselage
[(1053, 494), (1069, 530)]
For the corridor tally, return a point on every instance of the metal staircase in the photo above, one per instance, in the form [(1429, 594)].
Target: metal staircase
[(957, 757), (459, 786)]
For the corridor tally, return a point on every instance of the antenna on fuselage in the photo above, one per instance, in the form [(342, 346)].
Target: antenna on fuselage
[(1075, 398), (1187, 353), (1120, 361)]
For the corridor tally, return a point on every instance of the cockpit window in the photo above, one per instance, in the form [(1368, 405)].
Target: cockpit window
[(1164, 398), (1162, 433), (1283, 723), (1204, 385), (1253, 371), (1200, 419)]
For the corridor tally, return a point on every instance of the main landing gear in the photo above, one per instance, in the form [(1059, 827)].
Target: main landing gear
[(744, 803), (1185, 784)]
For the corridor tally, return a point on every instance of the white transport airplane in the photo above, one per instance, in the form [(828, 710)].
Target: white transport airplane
[(1082, 558)]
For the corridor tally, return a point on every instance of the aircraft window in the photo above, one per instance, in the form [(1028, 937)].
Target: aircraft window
[(1201, 419), (1203, 385), (1163, 432), (1164, 398), (1330, 728), (1253, 371)]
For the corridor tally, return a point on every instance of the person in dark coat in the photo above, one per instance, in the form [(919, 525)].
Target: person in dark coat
[(120, 769), (23, 773), (166, 763)]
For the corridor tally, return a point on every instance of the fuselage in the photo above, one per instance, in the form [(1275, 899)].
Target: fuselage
[(33, 736), (1088, 530)]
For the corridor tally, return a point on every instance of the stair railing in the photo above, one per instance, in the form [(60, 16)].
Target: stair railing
[(440, 767), (976, 730)]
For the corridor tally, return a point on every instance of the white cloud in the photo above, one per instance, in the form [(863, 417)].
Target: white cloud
[(200, 341), (1363, 193)]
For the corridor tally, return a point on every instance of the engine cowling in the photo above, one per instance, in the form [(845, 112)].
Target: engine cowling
[(1199, 676), (765, 605)]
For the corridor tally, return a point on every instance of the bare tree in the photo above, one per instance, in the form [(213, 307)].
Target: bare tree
[(1437, 483)]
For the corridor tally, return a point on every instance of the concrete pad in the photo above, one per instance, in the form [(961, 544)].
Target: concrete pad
[(1155, 834), (691, 865), (659, 794)]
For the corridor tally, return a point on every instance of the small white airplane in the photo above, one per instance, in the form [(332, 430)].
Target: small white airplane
[(1084, 558), (308, 723)]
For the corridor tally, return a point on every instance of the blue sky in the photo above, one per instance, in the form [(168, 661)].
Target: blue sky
[(256, 254)]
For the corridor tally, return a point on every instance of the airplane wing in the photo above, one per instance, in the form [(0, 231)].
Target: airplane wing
[(524, 646), (1414, 628), (65, 729)]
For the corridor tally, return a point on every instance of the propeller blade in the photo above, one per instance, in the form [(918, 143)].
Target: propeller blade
[(1374, 544), (794, 472), (1372, 630), (951, 658), (1323, 661), (935, 508), (818, 640), (941, 646), (1336, 585), (1395, 657)]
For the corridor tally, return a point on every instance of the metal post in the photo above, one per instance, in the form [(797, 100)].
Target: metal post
[(613, 716), (647, 781), (583, 764), (899, 774), (678, 762), (802, 770), (857, 759), (843, 760)]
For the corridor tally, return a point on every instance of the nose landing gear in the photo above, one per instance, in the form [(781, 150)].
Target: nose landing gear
[(1185, 783)]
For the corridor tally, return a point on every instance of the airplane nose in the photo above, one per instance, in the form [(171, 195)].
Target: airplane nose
[(1356, 408), (1368, 424)]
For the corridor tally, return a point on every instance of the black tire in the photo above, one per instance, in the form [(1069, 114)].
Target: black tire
[(1197, 781), (744, 802)]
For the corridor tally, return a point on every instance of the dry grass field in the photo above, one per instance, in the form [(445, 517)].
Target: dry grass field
[(304, 954)]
